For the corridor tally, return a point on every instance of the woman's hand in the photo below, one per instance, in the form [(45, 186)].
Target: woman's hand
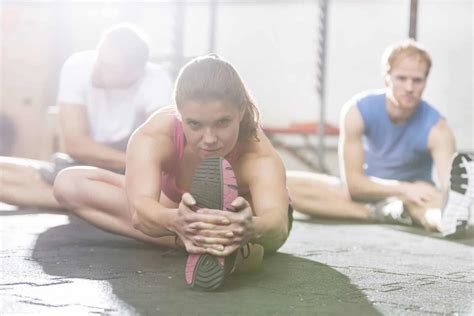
[(240, 226), (187, 229)]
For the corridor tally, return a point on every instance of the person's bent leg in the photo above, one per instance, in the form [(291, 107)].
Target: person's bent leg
[(22, 185), (323, 196), (98, 196)]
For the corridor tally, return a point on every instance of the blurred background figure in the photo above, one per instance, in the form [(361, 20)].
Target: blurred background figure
[(303, 64), (391, 140), (104, 95)]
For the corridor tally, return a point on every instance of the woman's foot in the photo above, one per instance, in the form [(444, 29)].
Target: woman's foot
[(213, 186)]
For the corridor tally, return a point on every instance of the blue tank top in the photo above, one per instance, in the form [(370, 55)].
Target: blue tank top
[(396, 151)]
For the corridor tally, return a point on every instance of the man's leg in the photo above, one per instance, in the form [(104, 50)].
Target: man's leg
[(98, 196), (451, 218), (21, 184), (323, 196)]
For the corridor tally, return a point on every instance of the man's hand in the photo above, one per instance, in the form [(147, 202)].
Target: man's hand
[(419, 192)]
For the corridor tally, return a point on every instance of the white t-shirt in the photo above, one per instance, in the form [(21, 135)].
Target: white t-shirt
[(113, 114)]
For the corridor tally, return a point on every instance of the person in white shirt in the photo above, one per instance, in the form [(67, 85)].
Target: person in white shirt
[(104, 95)]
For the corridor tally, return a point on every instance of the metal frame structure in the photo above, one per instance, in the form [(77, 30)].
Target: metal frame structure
[(413, 19), (321, 129), (321, 83)]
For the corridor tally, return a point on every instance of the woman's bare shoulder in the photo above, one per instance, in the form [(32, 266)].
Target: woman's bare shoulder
[(153, 140), (253, 152), (257, 147), (161, 122), (258, 160)]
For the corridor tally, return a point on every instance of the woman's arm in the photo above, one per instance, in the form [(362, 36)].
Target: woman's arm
[(148, 151), (79, 144), (267, 183)]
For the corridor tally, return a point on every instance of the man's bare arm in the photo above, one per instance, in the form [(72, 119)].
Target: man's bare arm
[(79, 144), (442, 146), (351, 155)]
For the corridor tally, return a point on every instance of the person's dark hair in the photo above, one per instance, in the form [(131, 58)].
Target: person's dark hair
[(130, 41), (210, 78)]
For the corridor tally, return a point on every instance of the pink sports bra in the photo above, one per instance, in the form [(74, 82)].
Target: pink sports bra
[(168, 178)]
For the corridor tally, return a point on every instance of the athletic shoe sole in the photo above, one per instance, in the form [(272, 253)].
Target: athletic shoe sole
[(455, 214), (213, 186)]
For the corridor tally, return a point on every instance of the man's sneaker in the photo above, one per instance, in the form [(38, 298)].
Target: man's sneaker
[(213, 186), (389, 211), (455, 215)]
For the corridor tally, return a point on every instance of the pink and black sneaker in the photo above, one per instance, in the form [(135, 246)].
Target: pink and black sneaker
[(213, 186)]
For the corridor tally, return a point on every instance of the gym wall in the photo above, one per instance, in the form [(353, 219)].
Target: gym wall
[(273, 44)]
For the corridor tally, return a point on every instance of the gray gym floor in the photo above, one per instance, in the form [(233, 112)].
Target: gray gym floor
[(56, 264)]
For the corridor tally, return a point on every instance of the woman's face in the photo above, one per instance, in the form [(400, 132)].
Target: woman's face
[(211, 127)]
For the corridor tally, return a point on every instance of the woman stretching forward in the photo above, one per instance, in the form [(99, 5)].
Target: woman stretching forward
[(170, 155)]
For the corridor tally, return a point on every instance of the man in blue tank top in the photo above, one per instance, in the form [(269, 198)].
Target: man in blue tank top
[(390, 140)]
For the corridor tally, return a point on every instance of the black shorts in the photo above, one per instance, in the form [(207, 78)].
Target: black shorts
[(61, 161), (290, 217)]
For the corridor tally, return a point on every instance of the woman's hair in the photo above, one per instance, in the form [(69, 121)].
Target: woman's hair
[(404, 48), (210, 78)]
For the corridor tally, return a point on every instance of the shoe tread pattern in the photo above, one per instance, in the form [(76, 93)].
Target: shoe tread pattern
[(459, 182), (206, 186), (209, 273)]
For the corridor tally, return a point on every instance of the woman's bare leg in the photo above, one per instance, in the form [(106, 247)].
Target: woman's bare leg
[(98, 196), (21, 184), (323, 196)]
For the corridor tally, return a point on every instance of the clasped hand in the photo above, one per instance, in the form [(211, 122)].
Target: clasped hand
[(217, 232)]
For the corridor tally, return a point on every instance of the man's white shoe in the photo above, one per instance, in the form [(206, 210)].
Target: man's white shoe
[(455, 214), (389, 211)]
